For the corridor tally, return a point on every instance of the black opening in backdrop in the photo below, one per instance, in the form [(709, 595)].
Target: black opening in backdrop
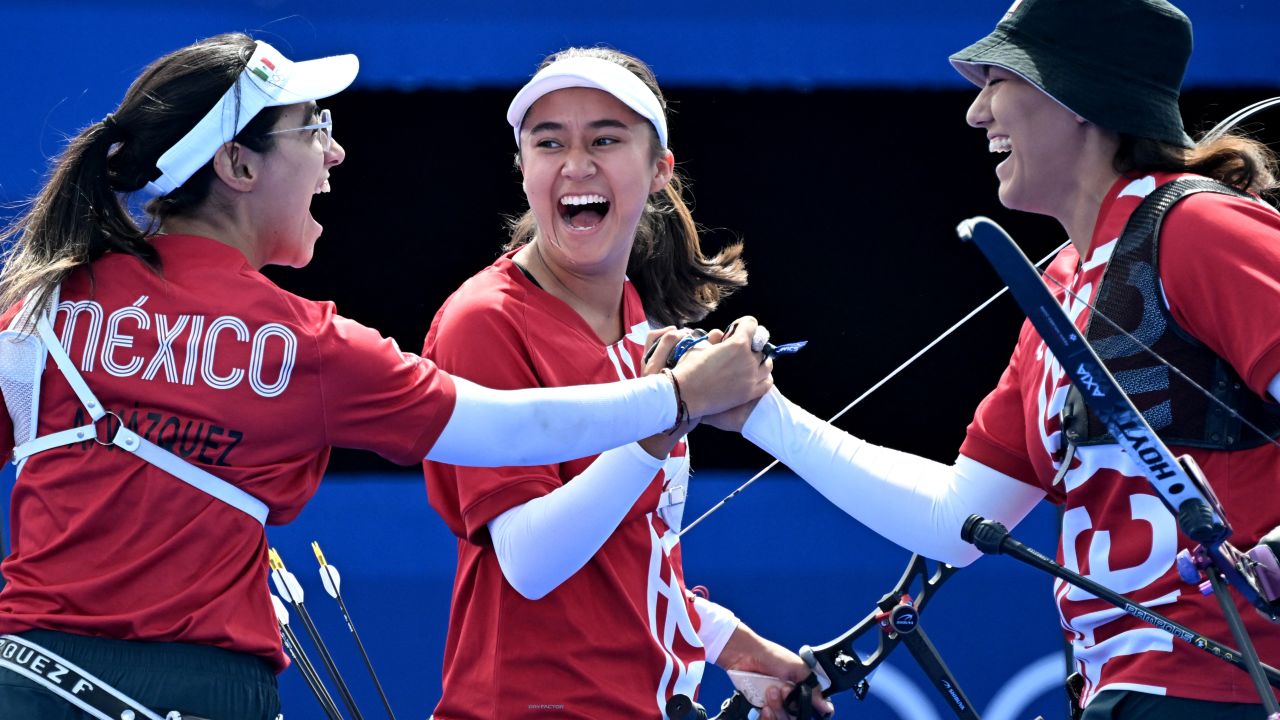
[(846, 200)]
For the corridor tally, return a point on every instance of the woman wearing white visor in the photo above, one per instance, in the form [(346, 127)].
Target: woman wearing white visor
[(186, 400), (570, 573)]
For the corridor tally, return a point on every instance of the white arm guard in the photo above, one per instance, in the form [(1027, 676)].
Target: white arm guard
[(536, 426), (915, 502), (715, 627), (543, 542)]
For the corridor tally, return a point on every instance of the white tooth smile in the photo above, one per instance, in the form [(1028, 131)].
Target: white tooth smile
[(1000, 145), (582, 199)]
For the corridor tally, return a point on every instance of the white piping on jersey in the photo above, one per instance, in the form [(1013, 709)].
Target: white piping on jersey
[(1091, 661), (670, 510), (124, 438), (1100, 256), (613, 351), (627, 361), (687, 677)]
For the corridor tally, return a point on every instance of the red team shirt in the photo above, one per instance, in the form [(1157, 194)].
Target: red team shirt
[(1220, 268), (617, 638), (250, 383)]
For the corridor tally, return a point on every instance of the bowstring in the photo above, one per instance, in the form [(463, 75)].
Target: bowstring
[(894, 373)]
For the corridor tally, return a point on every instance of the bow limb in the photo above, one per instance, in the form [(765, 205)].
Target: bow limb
[(838, 666), (1177, 480)]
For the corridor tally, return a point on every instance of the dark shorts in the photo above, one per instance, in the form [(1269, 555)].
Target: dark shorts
[(1128, 705), (195, 680)]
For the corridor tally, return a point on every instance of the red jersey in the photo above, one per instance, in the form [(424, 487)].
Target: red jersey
[(618, 637), (1219, 265), (210, 360)]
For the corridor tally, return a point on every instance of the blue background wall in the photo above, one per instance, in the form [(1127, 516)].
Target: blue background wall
[(69, 62)]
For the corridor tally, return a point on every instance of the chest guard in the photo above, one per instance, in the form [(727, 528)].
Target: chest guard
[(1131, 296)]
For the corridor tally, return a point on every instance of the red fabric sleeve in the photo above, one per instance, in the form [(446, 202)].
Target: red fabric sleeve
[(1220, 268), (997, 437), (375, 397), (480, 335)]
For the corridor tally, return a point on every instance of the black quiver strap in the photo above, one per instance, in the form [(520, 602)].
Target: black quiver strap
[(1130, 295)]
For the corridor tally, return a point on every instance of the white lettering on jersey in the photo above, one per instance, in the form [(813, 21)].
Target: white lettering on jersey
[(260, 337), (164, 350), (117, 339), (271, 359), (73, 310), (211, 378), (1164, 545), (1090, 654), (193, 350)]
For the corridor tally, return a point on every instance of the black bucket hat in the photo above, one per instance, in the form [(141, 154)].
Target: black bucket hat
[(1116, 63)]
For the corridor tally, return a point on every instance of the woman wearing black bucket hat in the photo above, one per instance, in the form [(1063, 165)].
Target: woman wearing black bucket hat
[(165, 400), (1082, 97)]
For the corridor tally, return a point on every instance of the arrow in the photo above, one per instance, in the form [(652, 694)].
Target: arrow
[(300, 659), (333, 585), (289, 588)]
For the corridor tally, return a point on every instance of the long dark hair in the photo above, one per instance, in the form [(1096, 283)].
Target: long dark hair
[(81, 213), (677, 283), (1232, 159)]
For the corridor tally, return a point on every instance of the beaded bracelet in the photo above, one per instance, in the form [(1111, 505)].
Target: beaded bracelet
[(682, 410)]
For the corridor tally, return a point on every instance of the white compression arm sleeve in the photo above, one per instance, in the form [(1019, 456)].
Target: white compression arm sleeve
[(543, 542), (535, 426), (913, 501), (1274, 388), (716, 624)]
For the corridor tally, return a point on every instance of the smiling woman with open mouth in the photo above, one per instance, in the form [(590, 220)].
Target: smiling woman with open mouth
[(565, 568)]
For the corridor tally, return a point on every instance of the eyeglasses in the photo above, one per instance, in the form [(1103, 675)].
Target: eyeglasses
[(325, 126)]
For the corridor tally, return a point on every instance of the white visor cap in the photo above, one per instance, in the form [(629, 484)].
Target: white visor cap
[(268, 80), (589, 72)]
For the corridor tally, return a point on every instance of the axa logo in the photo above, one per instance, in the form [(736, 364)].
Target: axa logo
[(1091, 386)]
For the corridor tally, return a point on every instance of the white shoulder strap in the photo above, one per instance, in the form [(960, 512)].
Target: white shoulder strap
[(68, 367), (126, 439)]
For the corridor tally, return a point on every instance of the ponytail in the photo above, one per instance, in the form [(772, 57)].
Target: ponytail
[(80, 214), (75, 219), (1241, 162)]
